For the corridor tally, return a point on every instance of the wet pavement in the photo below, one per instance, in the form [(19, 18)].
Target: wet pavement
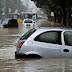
[(8, 63)]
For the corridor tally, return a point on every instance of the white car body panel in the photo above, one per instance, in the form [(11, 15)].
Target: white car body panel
[(47, 49), (66, 54), (32, 52)]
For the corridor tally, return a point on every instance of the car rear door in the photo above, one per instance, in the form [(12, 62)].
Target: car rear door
[(48, 44), (66, 49)]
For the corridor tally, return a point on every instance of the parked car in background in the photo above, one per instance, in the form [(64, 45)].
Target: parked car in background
[(45, 42), (20, 21), (28, 22)]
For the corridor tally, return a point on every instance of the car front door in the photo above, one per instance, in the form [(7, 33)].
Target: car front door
[(48, 44), (66, 49)]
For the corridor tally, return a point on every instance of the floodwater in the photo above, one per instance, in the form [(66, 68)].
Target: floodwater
[(8, 63)]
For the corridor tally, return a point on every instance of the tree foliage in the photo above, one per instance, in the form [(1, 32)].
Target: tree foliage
[(11, 4), (61, 9)]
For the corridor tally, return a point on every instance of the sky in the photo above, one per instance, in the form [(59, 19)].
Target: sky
[(31, 3)]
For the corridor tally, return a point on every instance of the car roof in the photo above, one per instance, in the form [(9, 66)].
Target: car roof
[(55, 28), (44, 29)]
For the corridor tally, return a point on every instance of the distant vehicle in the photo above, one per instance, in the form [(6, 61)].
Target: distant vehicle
[(0, 23), (9, 23), (4, 21), (20, 21), (15, 16), (42, 17), (45, 42), (28, 22), (30, 15)]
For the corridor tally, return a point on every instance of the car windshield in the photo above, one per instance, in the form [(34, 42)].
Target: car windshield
[(28, 34), (5, 21), (28, 21)]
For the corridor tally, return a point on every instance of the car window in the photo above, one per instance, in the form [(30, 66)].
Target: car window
[(0, 21), (27, 21), (49, 37), (5, 21), (28, 34), (68, 38)]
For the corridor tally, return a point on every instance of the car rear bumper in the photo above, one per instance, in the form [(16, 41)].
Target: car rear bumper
[(20, 55), (27, 24)]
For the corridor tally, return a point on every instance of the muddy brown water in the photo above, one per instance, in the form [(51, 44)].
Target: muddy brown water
[(8, 63)]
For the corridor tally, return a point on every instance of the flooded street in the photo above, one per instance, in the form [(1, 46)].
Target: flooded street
[(8, 63)]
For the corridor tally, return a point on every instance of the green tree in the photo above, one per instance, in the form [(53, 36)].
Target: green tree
[(61, 9)]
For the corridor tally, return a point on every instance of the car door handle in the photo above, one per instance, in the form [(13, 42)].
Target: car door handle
[(66, 50)]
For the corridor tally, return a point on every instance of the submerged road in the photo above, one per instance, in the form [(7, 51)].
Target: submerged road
[(8, 63)]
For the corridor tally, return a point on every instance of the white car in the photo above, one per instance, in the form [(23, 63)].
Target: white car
[(28, 22), (45, 42)]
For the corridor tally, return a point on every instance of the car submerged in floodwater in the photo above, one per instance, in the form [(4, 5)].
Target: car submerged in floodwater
[(8, 23), (45, 42), (28, 22)]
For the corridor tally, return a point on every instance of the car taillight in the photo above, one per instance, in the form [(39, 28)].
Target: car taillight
[(20, 44)]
